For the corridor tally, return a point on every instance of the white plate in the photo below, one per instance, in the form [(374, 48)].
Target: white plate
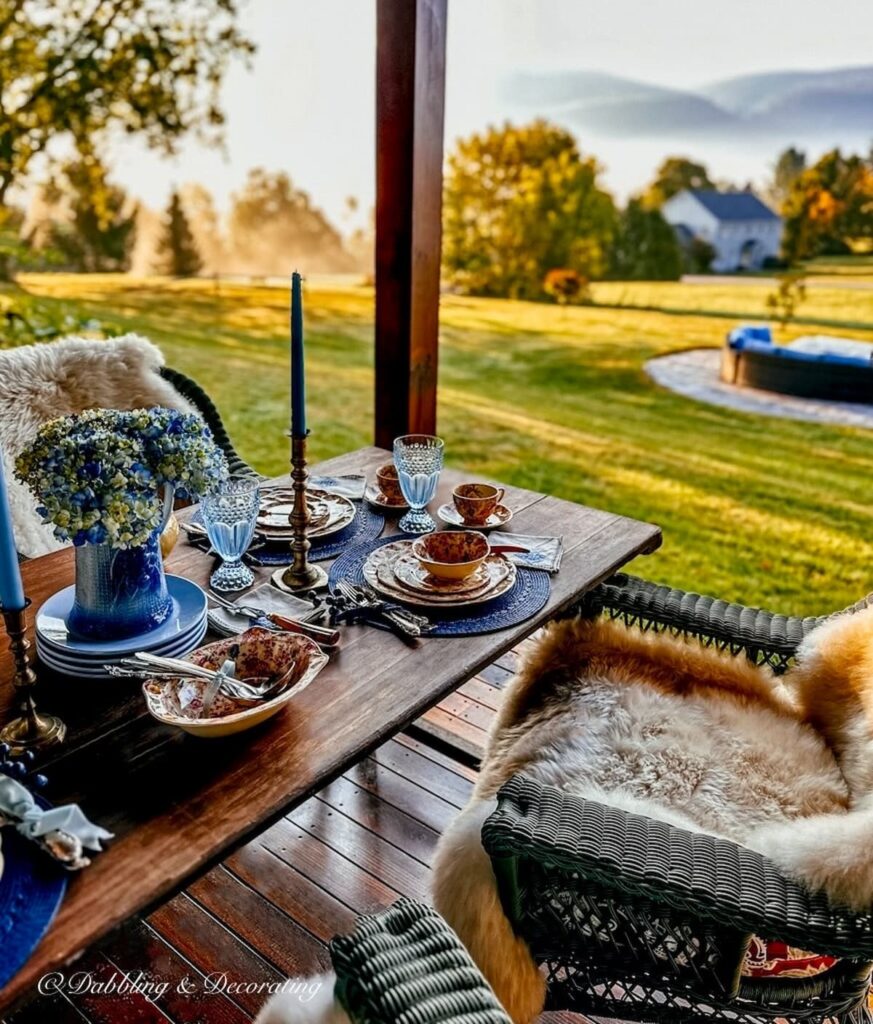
[(450, 515)]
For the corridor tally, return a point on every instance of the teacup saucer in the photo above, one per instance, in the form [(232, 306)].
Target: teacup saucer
[(450, 515), (375, 497)]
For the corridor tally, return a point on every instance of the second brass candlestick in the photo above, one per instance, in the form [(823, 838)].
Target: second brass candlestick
[(31, 730), (301, 574)]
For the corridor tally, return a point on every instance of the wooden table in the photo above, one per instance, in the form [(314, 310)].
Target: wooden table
[(178, 804)]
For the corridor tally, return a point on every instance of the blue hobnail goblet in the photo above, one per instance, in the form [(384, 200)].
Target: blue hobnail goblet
[(419, 459), (230, 515)]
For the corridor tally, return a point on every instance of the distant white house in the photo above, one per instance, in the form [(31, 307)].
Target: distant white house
[(743, 230)]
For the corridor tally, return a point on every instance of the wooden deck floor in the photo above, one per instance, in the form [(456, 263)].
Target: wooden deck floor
[(267, 912)]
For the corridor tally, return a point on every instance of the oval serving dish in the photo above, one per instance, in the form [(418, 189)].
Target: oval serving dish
[(263, 652)]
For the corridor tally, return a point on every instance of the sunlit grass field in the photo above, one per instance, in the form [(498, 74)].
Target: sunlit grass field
[(829, 301), (772, 512)]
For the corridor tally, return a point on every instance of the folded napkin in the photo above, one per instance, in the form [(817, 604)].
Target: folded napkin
[(351, 485), (64, 832), (267, 597), (545, 552)]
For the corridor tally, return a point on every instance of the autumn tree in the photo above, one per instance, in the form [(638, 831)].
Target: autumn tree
[(676, 174), (177, 253), (829, 207), (520, 202), (88, 219), (645, 246), (274, 226), (79, 68)]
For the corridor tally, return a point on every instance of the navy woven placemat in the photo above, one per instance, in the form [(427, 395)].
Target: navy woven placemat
[(526, 598), (366, 526), (31, 890)]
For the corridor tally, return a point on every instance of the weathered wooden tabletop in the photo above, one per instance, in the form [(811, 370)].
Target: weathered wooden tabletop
[(178, 804)]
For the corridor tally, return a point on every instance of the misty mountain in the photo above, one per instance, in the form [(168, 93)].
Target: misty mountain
[(781, 105)]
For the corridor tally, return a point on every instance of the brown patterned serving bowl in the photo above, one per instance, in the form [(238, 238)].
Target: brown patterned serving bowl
[(389, 485), (452, 554), (295, 659)]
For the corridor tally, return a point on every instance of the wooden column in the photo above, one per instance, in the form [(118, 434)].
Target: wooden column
[(410, 103)]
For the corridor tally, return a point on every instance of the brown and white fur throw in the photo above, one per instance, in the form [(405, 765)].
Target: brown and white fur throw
[(41, 382), (672, 730)]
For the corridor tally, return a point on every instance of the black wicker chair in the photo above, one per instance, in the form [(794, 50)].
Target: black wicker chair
[(636, 919), (191, 390), (407, 966), (764, 636)]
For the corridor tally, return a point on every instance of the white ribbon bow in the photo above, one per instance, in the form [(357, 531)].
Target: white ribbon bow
[(27, 817)]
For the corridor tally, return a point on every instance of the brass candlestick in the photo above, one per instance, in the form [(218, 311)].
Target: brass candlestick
[(31, 730), (301, 574)]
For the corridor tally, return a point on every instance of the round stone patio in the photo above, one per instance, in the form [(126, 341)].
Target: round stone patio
[(694, 373)]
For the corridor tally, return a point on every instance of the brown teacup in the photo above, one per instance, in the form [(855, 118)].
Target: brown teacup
[(476, 502), (389, 485)]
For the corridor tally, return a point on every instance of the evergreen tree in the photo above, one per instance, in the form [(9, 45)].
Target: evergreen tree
[(645, 246), (178, 255)]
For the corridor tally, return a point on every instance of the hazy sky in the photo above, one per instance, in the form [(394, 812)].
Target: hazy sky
[(307, 105)]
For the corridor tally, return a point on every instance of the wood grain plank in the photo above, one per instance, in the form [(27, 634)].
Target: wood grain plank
[(331, 870), (138, 948), (439, 757), (214, 950), (317, 910), (454, 732), (406, 757), (382, 819), (273, 934), (358, 845), (468, 710), (483, 693), (100, 1004), (385, 784)]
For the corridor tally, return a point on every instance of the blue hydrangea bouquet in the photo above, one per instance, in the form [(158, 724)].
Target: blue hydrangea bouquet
[(106, 480)]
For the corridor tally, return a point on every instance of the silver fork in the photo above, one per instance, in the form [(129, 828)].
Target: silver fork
[(404, 624), (367, 593)]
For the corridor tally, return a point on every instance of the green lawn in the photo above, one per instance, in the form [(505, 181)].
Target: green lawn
[(826, 302), (766, 511)]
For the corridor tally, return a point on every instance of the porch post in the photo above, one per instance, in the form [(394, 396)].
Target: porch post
[(410, 103)]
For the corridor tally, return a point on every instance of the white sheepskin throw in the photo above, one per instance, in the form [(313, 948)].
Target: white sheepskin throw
[(674, 731), (305, 1001), (41, 382)]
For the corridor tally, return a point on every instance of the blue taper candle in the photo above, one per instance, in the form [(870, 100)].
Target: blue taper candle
[(11, 590), (298, 382)]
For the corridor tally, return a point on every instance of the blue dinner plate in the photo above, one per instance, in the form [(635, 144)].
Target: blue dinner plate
[(94, 670), (51, 623), (31, 890), (98, 657)]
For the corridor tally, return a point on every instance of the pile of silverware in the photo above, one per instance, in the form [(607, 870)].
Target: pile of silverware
[(355, 603)]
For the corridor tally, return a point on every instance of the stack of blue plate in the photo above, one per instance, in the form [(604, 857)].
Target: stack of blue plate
[(72, 656)]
